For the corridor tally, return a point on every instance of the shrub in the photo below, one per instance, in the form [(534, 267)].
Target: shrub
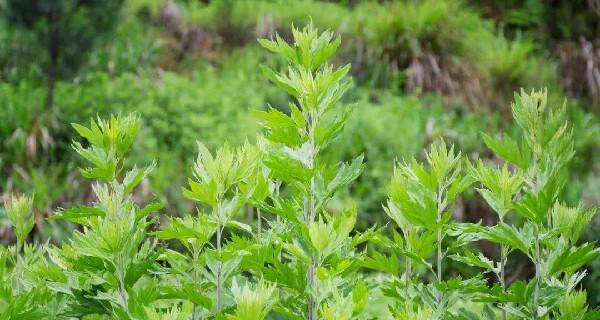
[(442, 47), (212, 103)]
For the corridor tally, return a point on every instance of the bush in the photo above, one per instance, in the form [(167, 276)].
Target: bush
[(212, 104), (442, 47)]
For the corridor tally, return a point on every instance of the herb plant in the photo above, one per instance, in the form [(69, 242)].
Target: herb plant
[(302, 258), (109, 268), (23, 294), (421, 205), (318, 249), (206, 275), (550, 229)]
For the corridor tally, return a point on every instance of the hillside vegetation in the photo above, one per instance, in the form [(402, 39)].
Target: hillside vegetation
[(283, 160)]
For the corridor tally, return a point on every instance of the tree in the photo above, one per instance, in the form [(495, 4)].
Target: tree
[(66, 29)]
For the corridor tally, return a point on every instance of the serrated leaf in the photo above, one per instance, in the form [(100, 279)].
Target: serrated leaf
[(78, 214), (571, 258), (507, 149)]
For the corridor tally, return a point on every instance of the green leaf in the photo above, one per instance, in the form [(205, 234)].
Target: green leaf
[(295, 250), (570, 258), (345, 175), (143, 264), (326, 51), (324, 135), (508, 149), (19, 211), (281, 47), (135, 176), (458, 186), (239, 226), (502, 233), (287, 169), (475, 260), (186, 228), (151, 207), (203, 193), (360, 296), (281, 81), (78, 214), (252, 303), (380, 262), (193, 292), (281, 127), (536, 207)]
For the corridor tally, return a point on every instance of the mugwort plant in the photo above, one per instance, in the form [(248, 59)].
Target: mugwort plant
[(269, 237)]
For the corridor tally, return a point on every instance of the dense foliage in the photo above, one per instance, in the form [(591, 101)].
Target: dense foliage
[(66, 30), (303, 259), (266, 222)]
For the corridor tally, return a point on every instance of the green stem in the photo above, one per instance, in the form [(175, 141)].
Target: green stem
[(18, 252), (310, 215), (259, 231), (279, 291), (503, 259), (219, 268), (439, 255), (439, 241), (195, 254), (408, 264), (503, 250), (17, 258), (310, 276), (538, 275), (120, 279)]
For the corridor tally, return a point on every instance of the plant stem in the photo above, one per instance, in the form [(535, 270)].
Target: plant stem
[(502, 273), (439, 255), (18, 251), (195, 254), (219, 267), (120, 279), (439, 294), (408, 262), (312, 308), (503, 258), (439, 241), (310, 215), (17, 258), (279, 253), (259, 227), (536, 293), (310, 277)]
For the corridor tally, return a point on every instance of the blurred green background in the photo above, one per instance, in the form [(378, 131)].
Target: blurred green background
[(191, 69)]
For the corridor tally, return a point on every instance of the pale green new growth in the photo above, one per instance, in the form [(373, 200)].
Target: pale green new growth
[(222, 182), (109, 140), (113, 236), (320, 242), (571, 221), (421, 202), (532, 188), (19, 213), (500, 185), (252, 303), (339, 308)]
